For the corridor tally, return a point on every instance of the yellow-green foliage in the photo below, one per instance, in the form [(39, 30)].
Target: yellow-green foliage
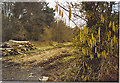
[(94, 42), (95, 46)]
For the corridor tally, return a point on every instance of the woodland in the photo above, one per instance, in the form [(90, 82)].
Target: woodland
[(88, 52)]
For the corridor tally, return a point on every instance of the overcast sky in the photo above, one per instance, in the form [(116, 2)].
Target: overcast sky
[(52, 4)]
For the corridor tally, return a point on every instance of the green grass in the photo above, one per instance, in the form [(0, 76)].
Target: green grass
[(40, 49), (67, 43), (45, 47), (65, 59)]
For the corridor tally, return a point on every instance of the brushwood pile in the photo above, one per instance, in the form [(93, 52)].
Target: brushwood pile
[(13, 47)]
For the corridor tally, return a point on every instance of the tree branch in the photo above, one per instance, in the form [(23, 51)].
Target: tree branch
[(72, 20), (72, 13)]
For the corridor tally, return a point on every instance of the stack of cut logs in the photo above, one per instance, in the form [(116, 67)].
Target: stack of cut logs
[(13, 47)]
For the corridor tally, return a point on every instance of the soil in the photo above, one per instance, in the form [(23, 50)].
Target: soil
[(52, 63)]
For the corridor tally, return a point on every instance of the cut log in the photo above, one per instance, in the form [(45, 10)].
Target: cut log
[(13, 47), (14, 41)]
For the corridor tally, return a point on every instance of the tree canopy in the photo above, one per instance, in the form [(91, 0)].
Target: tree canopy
[(26, 19)]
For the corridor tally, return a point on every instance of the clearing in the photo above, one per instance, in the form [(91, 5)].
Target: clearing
[(52, 62)]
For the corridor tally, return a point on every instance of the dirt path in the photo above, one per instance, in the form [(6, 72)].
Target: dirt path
[(31, 67)]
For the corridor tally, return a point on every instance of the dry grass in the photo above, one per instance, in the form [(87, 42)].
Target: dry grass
[(39, 43)]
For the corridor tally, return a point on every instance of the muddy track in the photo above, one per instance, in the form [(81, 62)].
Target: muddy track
[(52, 59), (31, 67)]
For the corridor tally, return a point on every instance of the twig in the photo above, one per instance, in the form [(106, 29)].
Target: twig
[(72, 13)]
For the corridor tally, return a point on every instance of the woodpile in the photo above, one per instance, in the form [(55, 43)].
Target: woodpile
[(13, 47)]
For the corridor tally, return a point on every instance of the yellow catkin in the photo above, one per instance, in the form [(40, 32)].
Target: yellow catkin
[(108, 52), (99, 75), (81, 38), (99, 38), (114, 39), (84, 28), (102, 18), (59, 11), (62, 14), (107, 72), (95, 42), (116, 55), (99, 33), (98, 55), (91, 56), (113, 28), (69, 13), (87, 30), (87, 52), (75, 38), (95, 49), (92, 36), (116, 67), (83, 50), (86, 64), (111, 43), (84, 39), (108, 37), (57, 8), (110, 24), (110, 33), (104, 53), (65, 21), (117, 42), (91, 43)]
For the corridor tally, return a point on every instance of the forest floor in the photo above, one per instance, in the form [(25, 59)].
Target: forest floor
[(56, 63)]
